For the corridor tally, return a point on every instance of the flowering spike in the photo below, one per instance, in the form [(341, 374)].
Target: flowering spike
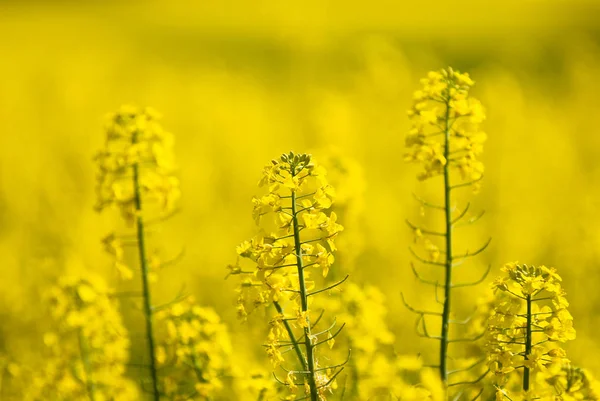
[(196, 351), (446, 140), (89, 346), (300, 241), (529, 321), (135, 176)]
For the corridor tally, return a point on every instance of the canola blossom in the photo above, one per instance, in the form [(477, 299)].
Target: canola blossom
[(311, 331), (445, 128), (195, 352), (364, 313), (290, 255), (529, 323), (571, 383), (136, 176), (88, 347), (137, 161), (446, 140)]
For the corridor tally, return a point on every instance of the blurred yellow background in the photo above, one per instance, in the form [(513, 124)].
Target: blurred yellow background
[(240, 82)]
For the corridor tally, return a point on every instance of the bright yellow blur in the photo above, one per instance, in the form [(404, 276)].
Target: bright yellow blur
[(240, 82)]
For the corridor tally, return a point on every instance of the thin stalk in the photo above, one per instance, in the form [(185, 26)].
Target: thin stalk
[(448, 264), (2, 373), (288, 328), (310, 357), (87, 367), (141, 238), (354, 376), (526, 375)]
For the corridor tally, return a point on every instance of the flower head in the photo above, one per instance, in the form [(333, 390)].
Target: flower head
[(445, 126), (288, 258), (88, 345), (527, 325), (196, 350), (137, 148)]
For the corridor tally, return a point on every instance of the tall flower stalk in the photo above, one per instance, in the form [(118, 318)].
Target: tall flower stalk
[(300, 241), (446, 140), (136, 176)]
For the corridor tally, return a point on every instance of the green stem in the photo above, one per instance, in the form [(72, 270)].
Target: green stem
[(141, 238), (310, 358), (2, 373), (528, 341), (354, 374), (87, 366), (293, 340), (448, 264)]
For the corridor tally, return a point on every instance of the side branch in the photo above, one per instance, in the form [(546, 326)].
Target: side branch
[(421, 279), (474, 253), (424, 231), (483, 277), (417, 311), (425, 261), (328, 287), (293, 340)]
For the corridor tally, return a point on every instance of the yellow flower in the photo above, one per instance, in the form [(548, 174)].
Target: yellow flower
[(89, 342), (135, 140), (285, 260), (194, 343), (524, 328), (445, 122)]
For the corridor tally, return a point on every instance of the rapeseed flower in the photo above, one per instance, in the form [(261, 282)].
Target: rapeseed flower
[(291, 254), (446, 140), (136, 176), (88, 346), (195, 352), (529, 323), (446, 126)]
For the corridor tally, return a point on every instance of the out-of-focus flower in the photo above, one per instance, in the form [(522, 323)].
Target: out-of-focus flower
[(195, 353), (445, 126), (88, 346)]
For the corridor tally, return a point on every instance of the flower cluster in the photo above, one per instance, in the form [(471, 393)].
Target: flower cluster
[(428, 386), (297, 201), (89, 346), (136, 176), (445, 126), (571, 383), (195, 353), (137, 161), (296, 240), (445, 139), (363, 311), (529, 321)]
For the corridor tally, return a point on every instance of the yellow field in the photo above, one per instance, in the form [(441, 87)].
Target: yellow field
[(238, 84)]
